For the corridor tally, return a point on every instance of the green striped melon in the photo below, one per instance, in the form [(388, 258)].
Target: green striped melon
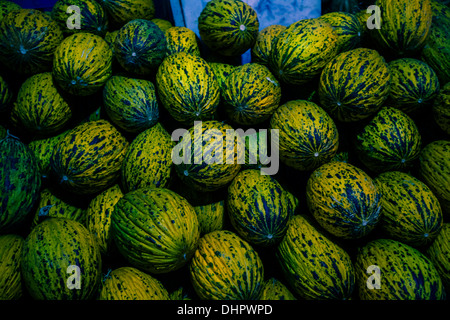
[(181, 39), (122, 11), (302, 50), (344, 200), (221, 72), (211, 216), (28, 40), (39, 107), (259, 207), (89, 157), (347, 27), (187, 88), (11, 246), (163, 24), (414, 84), (7, 6), (6, 95), (155, 229), (131, 103), (439, 253), (410, 212), (128, 283), (308, 136), (260, 52), (441, 109), (274, 289), (82, 64), (315, 267), (354, 85), (405, 273), (226, 267), (390, 141), (228, 27), (148, 161), (61, 261)]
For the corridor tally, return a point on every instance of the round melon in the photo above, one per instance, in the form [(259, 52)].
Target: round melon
[(155, 229), (128, 283), (89, 157), (354, 85), (404, 26), (92, 16), (28, 39), (39, 107), (140, 47), (274, 289), (434, 170), (163, 24), (343, 199), (6, 95), (208, 155), (131, 103), (414, 84), (61, 261), (308, 136), (302, 50), (404, 273), (181, 39), (122, 11), (315, 267), (410, 212), (187, 88), (148, 161), (226, 267), (221, 72), (259, 207), (11, 246), (82, 64), (439, 254), (260, 52), (250, 94), (390, 141), (228, 27), (441, 109), (20, 183)]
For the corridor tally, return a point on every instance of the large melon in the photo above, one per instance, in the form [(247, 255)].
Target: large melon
[(181, 39), (11, 246), (347, 27), (226, 267), (229, 27), (316, 267), (61, 261), (260, 52), (155, 229), (439, 254), (122, 11), (343, 199)]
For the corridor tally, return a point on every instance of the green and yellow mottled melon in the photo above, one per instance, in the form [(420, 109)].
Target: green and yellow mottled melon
[(315, 267), (251, 94), (260, 52), (179, 294), (88, 158), (163, 24), (155, 229), (98, 216), (61, 261), (39, 107), (51, 205), (181, 39), (410, 212), (226, 267), (439, 253), (210, 216), (347, 27), (28, 39), (404, 273), (7, 6), (11, 246), (354, 85), (343, 199), (441, 108), (434, 170), (414, 84), (6, 95), (92, 17), (274, 289), (404, 26), (308, 136), (148, 161), (221, 72), (131, 103), (390, 141), (228, 27), (208, 155), (20, 182), (128, 283), (122, 11), (259, 207), (302, 50), (82, 64), (187, 88)]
